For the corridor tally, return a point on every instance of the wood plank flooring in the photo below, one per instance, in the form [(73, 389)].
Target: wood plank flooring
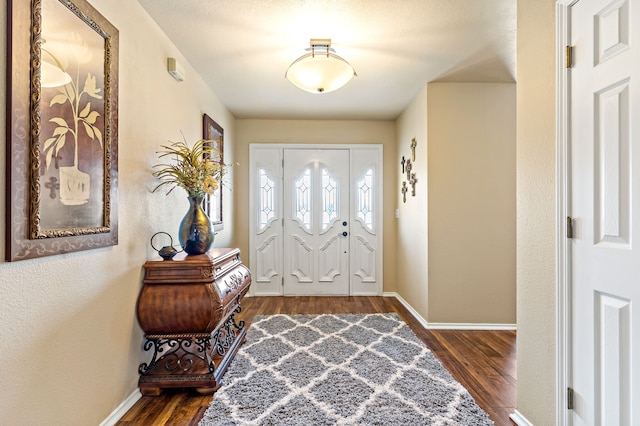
[(483, 361)]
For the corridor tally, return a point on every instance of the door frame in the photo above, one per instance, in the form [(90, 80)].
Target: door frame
[(564, 324), (379, 205)]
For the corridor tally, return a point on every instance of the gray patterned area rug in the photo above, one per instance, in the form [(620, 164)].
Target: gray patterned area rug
[(347, 369)]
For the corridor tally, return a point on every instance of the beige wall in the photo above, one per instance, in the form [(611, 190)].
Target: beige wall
[(536, 211), (412, 238), (472, 203), (71, 344), (462, 214), (315, 132)]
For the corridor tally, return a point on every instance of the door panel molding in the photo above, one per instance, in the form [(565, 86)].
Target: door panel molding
[(301, 261), (268, 263)]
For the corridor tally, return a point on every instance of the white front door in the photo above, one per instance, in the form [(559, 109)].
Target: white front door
[(316, 221), (604, 201), (303, 200)]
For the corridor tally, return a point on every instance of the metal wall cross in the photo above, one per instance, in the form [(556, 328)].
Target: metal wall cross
[(412, 182), (414, 143)]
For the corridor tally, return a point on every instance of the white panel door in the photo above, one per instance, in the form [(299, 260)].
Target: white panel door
[(366, 221), (266, 220), (316, 221), (605, 205)]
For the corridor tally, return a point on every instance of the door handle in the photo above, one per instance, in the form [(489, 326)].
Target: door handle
[(345, 233)]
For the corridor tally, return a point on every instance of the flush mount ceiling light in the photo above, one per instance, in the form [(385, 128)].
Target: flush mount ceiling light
[(320, 70)]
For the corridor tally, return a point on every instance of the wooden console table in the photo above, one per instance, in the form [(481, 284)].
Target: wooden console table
[(187, 310)]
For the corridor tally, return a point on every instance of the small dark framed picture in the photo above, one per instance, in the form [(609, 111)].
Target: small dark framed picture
[(213, 132)]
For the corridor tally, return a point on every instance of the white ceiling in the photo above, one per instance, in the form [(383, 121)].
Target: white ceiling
[(242, 48)]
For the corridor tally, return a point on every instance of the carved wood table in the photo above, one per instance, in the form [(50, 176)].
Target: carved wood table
[(187, 310)]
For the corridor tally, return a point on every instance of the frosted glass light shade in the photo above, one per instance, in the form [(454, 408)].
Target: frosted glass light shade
[(320, 72)]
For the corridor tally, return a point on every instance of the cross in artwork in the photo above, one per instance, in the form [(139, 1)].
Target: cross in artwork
[(404, 191), (52, 186), (407, 167), (402, 162)]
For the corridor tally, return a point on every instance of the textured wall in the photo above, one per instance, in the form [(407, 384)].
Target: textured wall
[(437, 270), (412, 239), (71, 342), (536, 211), (472, 203)]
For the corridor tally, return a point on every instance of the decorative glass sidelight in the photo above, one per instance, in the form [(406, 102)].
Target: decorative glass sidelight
[(365, 189), (266, 208), (302, 199), (329, 199)]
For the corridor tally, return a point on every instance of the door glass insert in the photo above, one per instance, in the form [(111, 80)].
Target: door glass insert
[(329, 199), (365, 199), (266, 209), (302, 197)]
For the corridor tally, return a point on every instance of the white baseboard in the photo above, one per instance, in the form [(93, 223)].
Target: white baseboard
[(423, 322), (264, 295), (448, 326), (470, 326), (122, 409), (519, 419)]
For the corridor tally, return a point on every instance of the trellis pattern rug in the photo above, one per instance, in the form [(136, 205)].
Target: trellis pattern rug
[(347, 369)]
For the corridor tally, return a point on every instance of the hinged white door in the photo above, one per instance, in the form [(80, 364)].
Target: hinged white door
[(604, 147), (316, 221)]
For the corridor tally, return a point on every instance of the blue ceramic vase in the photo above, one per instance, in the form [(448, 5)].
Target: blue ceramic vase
[(196, 233)]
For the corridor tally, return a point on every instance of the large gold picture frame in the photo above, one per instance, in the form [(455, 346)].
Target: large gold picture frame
[(62, 72)]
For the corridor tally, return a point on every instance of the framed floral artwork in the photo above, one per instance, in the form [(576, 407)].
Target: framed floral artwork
[(62, 128), (213, 132)]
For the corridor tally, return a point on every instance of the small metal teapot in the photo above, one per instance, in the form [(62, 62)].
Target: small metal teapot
[(166, 252)]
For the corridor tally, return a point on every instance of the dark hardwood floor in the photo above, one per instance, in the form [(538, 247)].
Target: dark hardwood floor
[(483, 361)]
